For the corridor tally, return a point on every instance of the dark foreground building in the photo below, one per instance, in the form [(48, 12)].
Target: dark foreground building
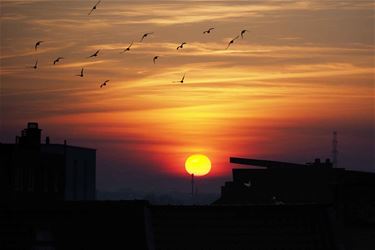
[(275, 225), (290, 183), (281, 182), (138, 225), (351, 194), (32, 170)]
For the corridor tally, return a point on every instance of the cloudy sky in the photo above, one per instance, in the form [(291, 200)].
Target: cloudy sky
[(304, 69)]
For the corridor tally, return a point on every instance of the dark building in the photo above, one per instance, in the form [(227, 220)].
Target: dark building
[(274, 182), (139, 225), (351, 194), (281, 182), (30, 170), (251, 227)]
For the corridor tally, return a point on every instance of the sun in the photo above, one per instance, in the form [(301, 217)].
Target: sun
[(198, 165)]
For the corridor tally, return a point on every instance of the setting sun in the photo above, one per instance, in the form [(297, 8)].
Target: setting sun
[(198, 165)]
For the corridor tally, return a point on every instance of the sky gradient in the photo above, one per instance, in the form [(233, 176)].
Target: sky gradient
[(304, 69)]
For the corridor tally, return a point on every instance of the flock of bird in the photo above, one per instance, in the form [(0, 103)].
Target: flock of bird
[(181, 46)]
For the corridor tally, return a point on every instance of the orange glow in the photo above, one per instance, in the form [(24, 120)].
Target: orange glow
[(198, 165)]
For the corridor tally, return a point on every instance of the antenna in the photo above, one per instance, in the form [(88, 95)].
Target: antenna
[(334, 150)]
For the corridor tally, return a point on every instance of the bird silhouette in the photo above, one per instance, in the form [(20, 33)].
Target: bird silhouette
[(145, 35), (37, 44), (154, 59), (208, 31), (35, 65), (181, 46), (243, 32), (94, 7), (232, 41), (247, 184), (104, 83), (127, 49), (95, 54), (182, 80), (81, 75), (57, 60)]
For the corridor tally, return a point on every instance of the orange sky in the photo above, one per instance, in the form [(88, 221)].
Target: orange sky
[(304, 69)]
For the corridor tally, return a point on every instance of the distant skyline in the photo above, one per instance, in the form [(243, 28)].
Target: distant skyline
[(303, 70)]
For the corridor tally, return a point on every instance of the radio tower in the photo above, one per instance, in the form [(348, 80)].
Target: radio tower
[(334, 150)]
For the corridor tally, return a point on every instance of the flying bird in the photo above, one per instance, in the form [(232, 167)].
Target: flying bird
[(145, 35), (35, 65), (208, 31), (243, 32), (81, 75), (232, 41), (37, 44), (247, 184), (127, 49), (182, 80), (57, 60), (104, 83), (95, 54), (154, 59), (94, 8), (181, 46)]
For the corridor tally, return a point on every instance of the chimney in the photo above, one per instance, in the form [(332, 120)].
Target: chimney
[(47, 140)]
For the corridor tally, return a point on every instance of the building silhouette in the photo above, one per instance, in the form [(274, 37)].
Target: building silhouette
[(280, 182), (31, 170), (291, 183), (140, 225)]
